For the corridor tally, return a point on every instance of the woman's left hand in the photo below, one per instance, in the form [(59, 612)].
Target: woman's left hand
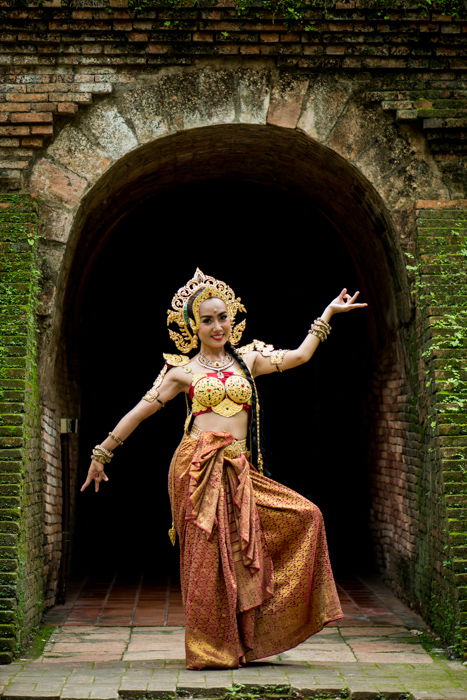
[(344, 302)]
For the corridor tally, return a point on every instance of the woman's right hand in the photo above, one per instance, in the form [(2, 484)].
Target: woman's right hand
[(97, 474)]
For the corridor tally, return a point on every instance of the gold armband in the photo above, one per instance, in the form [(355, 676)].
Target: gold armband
[(277, 358), (266, 350)]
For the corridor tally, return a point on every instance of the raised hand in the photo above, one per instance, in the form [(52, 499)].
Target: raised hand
[(345, 302)]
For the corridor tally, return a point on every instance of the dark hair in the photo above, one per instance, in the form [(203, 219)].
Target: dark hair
[(254, 434)]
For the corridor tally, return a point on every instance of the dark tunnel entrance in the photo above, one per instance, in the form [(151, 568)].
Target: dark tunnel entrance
[(286, 263), (287, 223)]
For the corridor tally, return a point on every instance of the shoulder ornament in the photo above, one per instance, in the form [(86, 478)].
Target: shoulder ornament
[(170, 361), (153, 393), (176, 360), (266, 350)]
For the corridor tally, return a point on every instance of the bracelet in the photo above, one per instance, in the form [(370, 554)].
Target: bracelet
[(100, 454), (320, 329), (318, 332), (116, 438)]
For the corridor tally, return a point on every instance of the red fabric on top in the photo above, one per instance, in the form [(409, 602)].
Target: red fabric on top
[(191, 391)]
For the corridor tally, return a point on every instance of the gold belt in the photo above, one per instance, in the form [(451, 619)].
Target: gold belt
[(237, 447)]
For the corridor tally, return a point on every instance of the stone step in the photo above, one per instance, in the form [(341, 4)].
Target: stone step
[(254, 693)]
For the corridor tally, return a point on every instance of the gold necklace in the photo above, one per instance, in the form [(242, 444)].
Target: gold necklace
[(218, 366)]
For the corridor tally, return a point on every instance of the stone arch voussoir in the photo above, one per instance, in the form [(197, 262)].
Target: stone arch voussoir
[(326, 108)]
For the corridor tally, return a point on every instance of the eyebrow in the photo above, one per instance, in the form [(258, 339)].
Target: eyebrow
[(211, 315)]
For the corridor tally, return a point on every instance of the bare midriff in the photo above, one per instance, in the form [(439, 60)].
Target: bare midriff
[(235, 425)]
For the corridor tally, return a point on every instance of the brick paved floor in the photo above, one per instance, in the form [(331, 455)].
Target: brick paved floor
[(114, 601), (373, 653)]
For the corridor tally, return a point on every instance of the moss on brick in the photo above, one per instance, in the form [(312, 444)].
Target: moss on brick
[(441, 295), (20, 550)]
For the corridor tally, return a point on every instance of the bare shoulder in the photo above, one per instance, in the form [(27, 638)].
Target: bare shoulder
[(249, 358), (181, 376)]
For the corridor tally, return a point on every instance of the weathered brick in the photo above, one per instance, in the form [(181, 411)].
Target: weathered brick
[(14, 130), (42, 129)]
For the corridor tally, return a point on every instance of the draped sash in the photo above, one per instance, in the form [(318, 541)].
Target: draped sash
[(213, 481)]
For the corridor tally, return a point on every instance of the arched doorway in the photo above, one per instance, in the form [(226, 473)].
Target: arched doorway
[(286, 222)]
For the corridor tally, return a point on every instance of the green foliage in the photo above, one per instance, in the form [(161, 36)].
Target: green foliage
[(252, 692), (272, 692), (38, 639), (293, 12), (296, 12), (444, 620), (438, 286), (19, 295)]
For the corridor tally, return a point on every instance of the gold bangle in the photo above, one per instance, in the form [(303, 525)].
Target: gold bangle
[(320, 328), (100, 454), (116, 438), (323, 324), (104, 451), (318, 335)]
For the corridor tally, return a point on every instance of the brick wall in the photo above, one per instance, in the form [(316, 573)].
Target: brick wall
[(52, 502), (21, 507), (408, 61), (440, 283), (395, 444), (419, 494)]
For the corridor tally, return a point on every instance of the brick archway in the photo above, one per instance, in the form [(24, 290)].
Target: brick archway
[(261, 128), (117, 143)]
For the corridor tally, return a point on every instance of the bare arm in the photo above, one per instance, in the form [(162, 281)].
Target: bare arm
[(293, 358), (171, 385)]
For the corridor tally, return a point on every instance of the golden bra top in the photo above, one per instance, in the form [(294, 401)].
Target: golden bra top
[(224, 393)]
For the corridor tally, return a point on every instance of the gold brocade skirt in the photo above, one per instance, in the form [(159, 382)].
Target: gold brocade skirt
[(255, 572)]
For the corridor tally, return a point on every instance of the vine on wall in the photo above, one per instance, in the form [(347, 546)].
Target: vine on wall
[(438, 279), (299, 13)]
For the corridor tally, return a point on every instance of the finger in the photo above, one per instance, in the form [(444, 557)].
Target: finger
[(86, 484), (354, 297)]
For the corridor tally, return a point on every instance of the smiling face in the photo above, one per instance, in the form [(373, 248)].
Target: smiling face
[(215, 326)]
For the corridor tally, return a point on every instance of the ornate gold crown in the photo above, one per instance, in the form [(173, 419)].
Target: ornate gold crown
[(205, 287)]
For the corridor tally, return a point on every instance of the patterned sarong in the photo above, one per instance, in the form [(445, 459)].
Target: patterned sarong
[(255, 572)]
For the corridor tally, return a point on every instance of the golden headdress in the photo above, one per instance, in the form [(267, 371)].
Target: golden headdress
[(204, 287)]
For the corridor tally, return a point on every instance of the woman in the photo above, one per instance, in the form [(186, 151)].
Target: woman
[(255, 572)]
